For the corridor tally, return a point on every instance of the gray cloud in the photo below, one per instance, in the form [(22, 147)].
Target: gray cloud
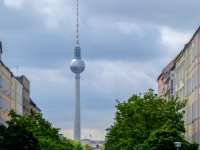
[(26, 31), (125, 45), (167, 13)]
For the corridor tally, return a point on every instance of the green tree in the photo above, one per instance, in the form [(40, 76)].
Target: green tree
[(17, 136), (63, 144), (71, 144), (87, 146), (163, 139), (32, 132), (138, 117)]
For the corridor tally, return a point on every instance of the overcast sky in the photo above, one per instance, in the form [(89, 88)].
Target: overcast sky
[(125, 45)]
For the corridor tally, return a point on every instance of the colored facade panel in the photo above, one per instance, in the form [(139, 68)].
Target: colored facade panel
[(16, 102), (6, 93), (19, 108), (25, 94), (13, 104)]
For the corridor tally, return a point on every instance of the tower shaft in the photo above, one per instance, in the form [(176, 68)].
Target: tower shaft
[(77, 123)]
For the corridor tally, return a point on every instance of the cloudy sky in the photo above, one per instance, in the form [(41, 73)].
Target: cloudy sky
[(125, 45)]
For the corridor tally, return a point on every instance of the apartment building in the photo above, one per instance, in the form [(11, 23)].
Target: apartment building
[(14, 93), (186, 84)]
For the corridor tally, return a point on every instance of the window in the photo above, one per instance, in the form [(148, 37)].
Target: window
[(1, 103), (196, 78), (193, 53), (193, 138), (193, 82), (196, 109), (180, 73), (6, 105), (181, 94), (189, 114), (196, 48), (190, 139), (176, 76), (196, 137), (188, 82), (185, 117), (189, 86), (185, 89), (189, 59), (193, 112)]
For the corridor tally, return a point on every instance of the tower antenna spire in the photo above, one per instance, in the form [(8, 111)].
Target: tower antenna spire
[(77, 35)]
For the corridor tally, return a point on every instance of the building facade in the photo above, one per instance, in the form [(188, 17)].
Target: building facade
[(187, 85), (164, 79), (14, 93)]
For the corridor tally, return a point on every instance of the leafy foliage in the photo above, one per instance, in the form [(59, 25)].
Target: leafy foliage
[(17, 136), (32, 132), (163, 139), (87, 146), (138, 117), (63, 144)]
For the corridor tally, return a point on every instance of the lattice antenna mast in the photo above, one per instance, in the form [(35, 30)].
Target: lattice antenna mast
[(77, 36)]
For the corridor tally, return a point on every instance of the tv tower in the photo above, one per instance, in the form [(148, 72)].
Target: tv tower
[(77, 66)]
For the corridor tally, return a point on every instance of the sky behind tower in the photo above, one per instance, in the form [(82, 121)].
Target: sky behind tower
[(125, 45)]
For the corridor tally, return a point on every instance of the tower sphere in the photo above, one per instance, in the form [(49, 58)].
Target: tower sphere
[(77, 66)]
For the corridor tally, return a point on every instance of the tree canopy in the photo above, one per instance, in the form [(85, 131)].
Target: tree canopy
[(32, 132), (140, 116), (87, 146), (163, 139)]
